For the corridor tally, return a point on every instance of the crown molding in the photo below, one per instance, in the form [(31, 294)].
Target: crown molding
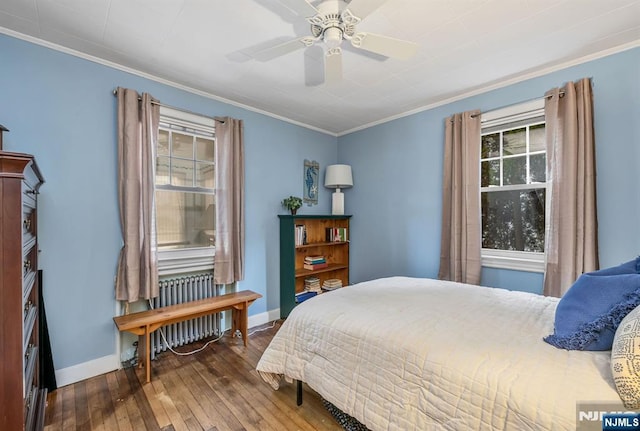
[(510, 81), (154, 78)]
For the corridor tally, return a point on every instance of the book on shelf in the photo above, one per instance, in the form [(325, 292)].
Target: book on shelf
[(336, 234), (314, 266), (300, 234), (303, 296), (331, 284), (314, 259), (312, 284)]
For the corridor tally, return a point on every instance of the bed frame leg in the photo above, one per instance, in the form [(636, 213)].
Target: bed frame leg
[(299, 392)]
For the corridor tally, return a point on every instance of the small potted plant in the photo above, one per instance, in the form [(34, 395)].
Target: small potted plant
[(292, 203)]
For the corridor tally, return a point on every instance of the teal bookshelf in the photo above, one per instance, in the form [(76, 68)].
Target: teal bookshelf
[(307, 235)]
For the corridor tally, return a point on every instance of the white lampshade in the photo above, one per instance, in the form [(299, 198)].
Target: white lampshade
[(337, 177)]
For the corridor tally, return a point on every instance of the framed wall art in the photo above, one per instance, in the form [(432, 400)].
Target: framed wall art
[(310, 182)]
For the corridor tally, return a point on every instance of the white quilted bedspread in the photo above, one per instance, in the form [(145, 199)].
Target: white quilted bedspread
[(419, 354)]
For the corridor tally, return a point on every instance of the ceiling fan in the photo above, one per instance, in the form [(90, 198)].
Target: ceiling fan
[(333, 21)]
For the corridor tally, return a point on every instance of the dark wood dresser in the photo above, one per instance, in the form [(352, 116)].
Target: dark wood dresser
[(22, 399)]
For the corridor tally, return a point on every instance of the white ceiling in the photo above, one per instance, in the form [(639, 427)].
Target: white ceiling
[(464, 46)]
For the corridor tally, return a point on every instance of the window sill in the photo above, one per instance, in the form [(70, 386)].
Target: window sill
[(513, 260), (171, 262)]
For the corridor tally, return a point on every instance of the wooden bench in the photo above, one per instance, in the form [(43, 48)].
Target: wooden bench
[(143, 323)]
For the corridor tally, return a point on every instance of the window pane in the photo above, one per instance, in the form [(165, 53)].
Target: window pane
[(514, 170), (513, 220), (491, 146), (515, 142), (163, 142), (537, 138), (205, 175), (204, 149), (184, 220), (490, 175), (538, 168), (182, 146), (182, 173), (162, 170)]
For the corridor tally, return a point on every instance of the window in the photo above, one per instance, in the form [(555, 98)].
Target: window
[(513, 188), (184, 188)]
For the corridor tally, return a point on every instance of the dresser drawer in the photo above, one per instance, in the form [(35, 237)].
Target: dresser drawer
[(28, 222), (28, 196), (30, 361), (30, 407), (28, 288), (34, 409), (29, 260), (29, 322)]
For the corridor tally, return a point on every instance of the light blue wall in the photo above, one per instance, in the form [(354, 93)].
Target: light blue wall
[(61, 109), (397, 169)]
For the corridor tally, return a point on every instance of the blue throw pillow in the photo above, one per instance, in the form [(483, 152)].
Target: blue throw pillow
[(631, 267), (591, 310)]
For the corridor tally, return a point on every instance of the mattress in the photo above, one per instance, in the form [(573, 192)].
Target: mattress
[(404, 353)]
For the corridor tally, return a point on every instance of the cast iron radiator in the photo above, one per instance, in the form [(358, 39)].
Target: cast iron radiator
[(177, 291)]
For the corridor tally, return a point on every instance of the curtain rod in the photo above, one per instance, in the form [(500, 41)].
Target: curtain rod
[(561, 93), (153, 102)]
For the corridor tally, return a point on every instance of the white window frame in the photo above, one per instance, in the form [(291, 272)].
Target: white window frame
[(186, 260), (508, 259)]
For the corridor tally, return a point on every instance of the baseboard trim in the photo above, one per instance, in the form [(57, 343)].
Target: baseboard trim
[(95, 367), (262, 318), (85, 370)]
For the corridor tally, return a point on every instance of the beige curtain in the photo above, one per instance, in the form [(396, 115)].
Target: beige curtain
[(461, 242), (572, 233), (229, 242), (138, 119)]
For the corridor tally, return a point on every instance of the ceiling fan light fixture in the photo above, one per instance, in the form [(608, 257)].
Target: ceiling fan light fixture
[(333, 21), (332, 37)]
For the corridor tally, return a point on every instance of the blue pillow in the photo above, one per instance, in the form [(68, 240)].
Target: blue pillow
[(589, 313), (631, 267)]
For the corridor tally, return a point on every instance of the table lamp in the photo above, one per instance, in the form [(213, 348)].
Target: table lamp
[(338, 177)]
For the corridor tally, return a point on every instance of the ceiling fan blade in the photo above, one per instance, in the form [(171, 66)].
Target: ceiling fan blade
[(362, 8), (282, 49), (384, 45), (333, 66), (301, 7)]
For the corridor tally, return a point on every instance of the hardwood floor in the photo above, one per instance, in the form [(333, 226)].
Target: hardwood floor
[(215, 390)]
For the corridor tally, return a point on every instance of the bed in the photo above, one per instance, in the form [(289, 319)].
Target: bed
[(404, 353)]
